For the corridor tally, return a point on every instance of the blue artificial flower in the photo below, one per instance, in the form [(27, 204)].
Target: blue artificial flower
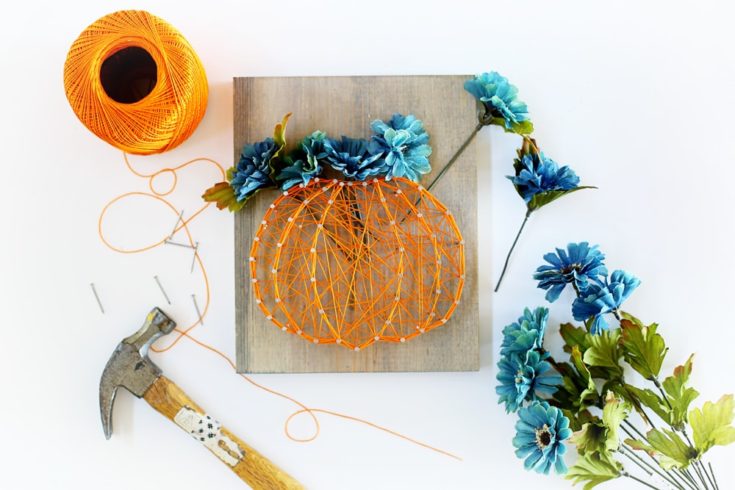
[(351, 157), (402, 144), (526, 334), (599, 299), (305, 163), (579, 265), (540, 432), (499, 97), (525, 378), (536, 174), (252, 171)]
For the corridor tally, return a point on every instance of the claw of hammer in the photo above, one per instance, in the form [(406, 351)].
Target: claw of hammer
[(129, 367)]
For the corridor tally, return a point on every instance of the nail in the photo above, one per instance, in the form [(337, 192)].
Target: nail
[(194, 258), (181, 215), (169, 242), (196, 306), (97, 297), (162, 290)]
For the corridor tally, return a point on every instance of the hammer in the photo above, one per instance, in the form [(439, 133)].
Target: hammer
[(129, 367)]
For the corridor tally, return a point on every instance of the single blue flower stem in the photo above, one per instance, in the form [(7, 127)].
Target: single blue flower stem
[(512, 247), (455, 156)]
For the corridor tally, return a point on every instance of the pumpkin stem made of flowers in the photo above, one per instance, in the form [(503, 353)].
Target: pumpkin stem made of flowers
[(357, 262)]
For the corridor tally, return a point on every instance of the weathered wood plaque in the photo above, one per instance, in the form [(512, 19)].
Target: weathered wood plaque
[(347, 105)]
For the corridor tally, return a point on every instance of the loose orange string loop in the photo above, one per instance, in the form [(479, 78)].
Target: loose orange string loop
[(163, 109), (186, 331)]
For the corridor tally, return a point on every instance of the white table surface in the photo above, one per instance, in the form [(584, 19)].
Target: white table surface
[(637, 96)]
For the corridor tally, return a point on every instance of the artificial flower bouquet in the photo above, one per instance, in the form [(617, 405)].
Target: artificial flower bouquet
[(608, 398)]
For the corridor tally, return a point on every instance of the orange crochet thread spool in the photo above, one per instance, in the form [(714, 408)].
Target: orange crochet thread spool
[(354, 263), (134, 81)]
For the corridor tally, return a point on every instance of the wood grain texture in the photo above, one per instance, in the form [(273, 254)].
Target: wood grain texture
[(254, 469), (347, 105)]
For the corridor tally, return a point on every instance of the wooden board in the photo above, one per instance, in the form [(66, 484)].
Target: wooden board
[(347, 105)]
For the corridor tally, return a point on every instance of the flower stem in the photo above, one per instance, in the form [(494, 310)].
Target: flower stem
[(632, 477), (684, 475), (670, 475), (640, 461), (455, 156), (699, 474), (714, 478), (512, 247), (637, 463)]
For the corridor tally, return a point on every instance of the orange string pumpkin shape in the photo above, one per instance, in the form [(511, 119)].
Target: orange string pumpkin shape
[(357, 262)]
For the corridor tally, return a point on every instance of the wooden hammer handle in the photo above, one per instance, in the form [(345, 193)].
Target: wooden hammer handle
[(253, 468)]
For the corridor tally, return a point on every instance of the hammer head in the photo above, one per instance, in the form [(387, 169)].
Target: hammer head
[(129, 366)]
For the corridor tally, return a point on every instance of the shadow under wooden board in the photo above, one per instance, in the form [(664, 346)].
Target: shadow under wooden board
[(347, 105)]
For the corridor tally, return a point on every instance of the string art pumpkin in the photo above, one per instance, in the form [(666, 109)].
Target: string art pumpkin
[(348, 262)]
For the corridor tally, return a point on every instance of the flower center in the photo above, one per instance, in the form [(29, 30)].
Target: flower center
[(571, 268), (543, 437)]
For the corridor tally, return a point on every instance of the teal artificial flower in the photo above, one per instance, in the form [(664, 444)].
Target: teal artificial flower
[(351, 157), (600, 299), (253, 171), (305, 163), (522, 378), (579, 265), (500, 100), (402, 143), (537, 174), (526, 334), (540, 434), (539, 181)]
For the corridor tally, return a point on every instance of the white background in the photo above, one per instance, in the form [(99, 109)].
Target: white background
[(636, 96)]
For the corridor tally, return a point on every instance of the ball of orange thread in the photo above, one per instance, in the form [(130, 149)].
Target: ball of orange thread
[(136, 82)]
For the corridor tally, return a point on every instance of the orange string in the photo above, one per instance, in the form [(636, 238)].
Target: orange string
[(353, 263), (185, 332)]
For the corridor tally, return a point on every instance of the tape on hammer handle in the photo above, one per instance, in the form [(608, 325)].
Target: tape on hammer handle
[(252, 467)]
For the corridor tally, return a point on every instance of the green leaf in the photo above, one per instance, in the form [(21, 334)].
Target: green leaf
[(525, 127), (522, 128), (666, 444), (224, 196), (651, 400), (577, 419), (643, 348), (680, 396), (279, 137), (590, 390), (573, 336), (615, 411), (712, 425), (601, 435), (578, 390), (594, 469), (591, 438), (543, 198), (604, 351)]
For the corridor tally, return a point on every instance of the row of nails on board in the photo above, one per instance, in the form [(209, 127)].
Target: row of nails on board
[(167, 241)]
